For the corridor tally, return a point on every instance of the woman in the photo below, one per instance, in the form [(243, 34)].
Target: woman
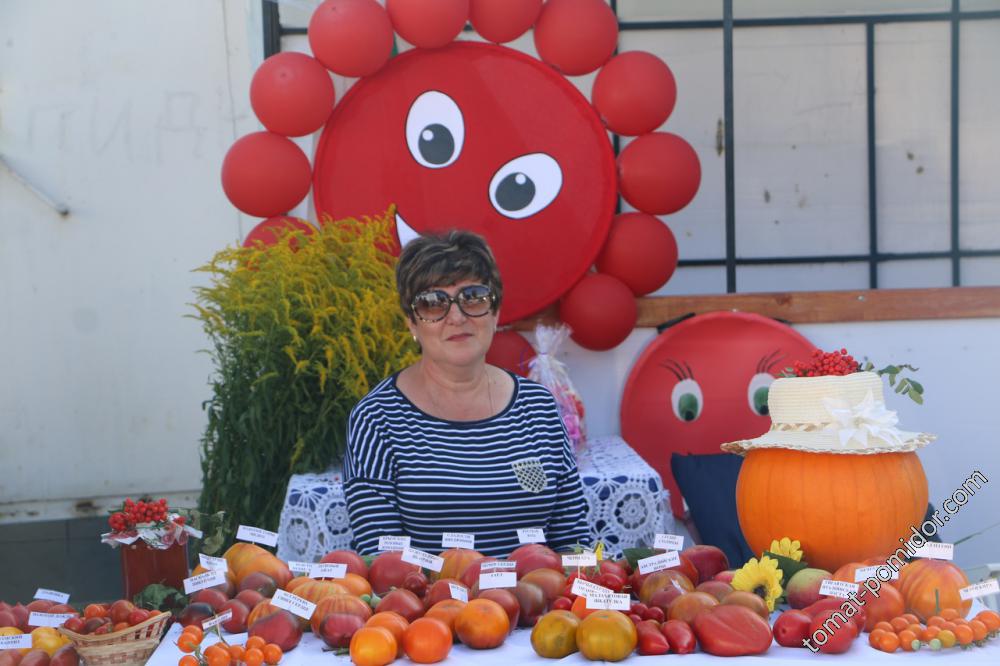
[(451, 443)]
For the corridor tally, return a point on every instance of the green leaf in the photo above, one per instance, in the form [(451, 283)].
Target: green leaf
[(788, 566), (160, 597), (633, 555)]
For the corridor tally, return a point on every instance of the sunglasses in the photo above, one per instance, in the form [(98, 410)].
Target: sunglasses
[(474, 300)]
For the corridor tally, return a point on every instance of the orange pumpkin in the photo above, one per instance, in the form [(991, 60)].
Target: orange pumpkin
[(339, 603), (455, 562), (930, 586), (841, 507)]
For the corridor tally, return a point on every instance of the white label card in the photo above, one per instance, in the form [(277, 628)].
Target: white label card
[(391, 542), (257, 535), (37, 619), (299, 567), (293, 604), (422, 559), (213, 563), (838, 588), (194, 531), (609, 601), (496, 579), (203, 580), (531, 535), (493, 565), (861, 574), (668, 541), (659, 562), (458, 592), (580, 560), (51, 595), (328, 570), (458, 540), (15, 642), (937, 551), (217, 619), (584, 588), (982, 589)]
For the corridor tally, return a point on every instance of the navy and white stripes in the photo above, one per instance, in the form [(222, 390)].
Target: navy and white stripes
[(409, 473)]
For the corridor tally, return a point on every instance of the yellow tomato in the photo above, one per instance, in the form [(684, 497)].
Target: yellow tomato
[(607, 635), (10, 631), (554, 635), (46, 638)]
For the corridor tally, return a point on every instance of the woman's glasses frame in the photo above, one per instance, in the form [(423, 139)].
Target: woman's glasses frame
[(467, 294)]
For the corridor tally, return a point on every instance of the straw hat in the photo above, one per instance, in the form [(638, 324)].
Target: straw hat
[(832, 414)]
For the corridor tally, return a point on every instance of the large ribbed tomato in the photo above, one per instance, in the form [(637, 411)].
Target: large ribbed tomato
[(554, 635), (930, 586), (820, 497), (607, 635)]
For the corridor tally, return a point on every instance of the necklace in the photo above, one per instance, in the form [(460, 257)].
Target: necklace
[(489, 395)]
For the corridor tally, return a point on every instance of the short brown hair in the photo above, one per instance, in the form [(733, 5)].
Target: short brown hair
[(444, 259)]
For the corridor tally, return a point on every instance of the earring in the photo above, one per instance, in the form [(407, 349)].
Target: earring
[(414, 338)]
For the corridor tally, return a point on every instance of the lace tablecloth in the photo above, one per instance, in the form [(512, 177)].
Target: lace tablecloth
[(626, 501)]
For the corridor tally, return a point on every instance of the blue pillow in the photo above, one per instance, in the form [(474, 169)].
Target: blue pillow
[(708, 484)]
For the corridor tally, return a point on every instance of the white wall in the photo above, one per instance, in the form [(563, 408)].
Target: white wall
[(123, 111)]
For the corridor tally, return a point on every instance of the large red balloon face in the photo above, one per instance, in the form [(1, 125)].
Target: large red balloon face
[(478, 137), (704, 382)]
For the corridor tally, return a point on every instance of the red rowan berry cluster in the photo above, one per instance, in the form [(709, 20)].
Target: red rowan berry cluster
[(133, 513), (837, 362)]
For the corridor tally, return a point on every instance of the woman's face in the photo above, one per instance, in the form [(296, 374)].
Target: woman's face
[(457, 339)]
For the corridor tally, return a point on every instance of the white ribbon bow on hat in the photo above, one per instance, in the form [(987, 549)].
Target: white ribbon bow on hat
[(866, 420)]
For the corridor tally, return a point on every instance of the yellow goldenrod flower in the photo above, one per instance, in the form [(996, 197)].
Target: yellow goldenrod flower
[(788, 548), (762, 577)]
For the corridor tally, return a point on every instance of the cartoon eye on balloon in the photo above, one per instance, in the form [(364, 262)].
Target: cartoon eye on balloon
[(483, 137)]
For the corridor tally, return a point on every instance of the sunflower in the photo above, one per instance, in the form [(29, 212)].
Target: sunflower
[(762, 577), (790, 549)]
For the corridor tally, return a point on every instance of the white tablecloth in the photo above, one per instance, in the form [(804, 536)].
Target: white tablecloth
[(517, 651), (626, 503)]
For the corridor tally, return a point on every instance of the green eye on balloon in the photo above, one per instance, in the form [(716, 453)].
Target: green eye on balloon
[(687, 400), (757, 392)]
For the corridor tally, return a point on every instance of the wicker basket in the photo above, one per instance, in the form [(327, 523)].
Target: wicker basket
[(128, 647)]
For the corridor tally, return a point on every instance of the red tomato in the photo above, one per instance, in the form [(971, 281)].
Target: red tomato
[(732, 631), (679, 635), (651, 641), (840, 635), (791, 628)]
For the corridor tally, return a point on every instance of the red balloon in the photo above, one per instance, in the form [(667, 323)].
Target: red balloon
[(268, 231), (351, 37), (265, 174), (600, 310), (511, 351), (429, 24), (292, 94), (634, 93), (576, 36), (659, 173), (640, 251), (503, 21)]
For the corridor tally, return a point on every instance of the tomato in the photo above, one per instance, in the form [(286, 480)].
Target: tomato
[(679, 635), (188, 660), (839, 635), (731, 631), (427, 641), (791, 628), (373, 646), (195, 631), (554, 635), (607, 635), (859, 617), (272, 654), (187, 642), (651, 641), (95, 610), (253, 657)]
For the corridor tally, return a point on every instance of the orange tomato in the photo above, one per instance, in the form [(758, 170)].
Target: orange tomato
[(187, 642), (236, 652), (885, 626), (373, 646), (394, 622), (95, 610), (427, 641), (907, 639), (253, 657), (888, 642), (916, 628), (963, 635), (899, 624), (272, 654), (936, 621), (949, 614), (580, 609), (195, 631), (873, 637), (216, 655), (447, 610), (188, 660), (255, 642), (928, 585), (929, 633), (483, 624), (990, 618), (911, 618), (607, 635), (355, 584), (979, 630)]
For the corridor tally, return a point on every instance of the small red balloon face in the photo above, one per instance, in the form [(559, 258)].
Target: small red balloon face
[(704, 382), (478, 137)]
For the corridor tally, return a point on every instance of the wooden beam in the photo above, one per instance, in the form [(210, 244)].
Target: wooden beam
[(812, 307)]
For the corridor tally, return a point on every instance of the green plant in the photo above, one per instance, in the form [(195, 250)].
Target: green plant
[(300, 331)]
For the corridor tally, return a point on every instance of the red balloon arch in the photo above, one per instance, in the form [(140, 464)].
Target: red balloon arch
[(266, 175)]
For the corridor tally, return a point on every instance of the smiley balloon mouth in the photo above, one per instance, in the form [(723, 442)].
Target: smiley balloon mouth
[(404, 232)]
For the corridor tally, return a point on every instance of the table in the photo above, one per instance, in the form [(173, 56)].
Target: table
[(626, 504), (517, 650)]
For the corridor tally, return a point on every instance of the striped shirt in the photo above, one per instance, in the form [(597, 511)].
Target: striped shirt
[(409, 473)]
